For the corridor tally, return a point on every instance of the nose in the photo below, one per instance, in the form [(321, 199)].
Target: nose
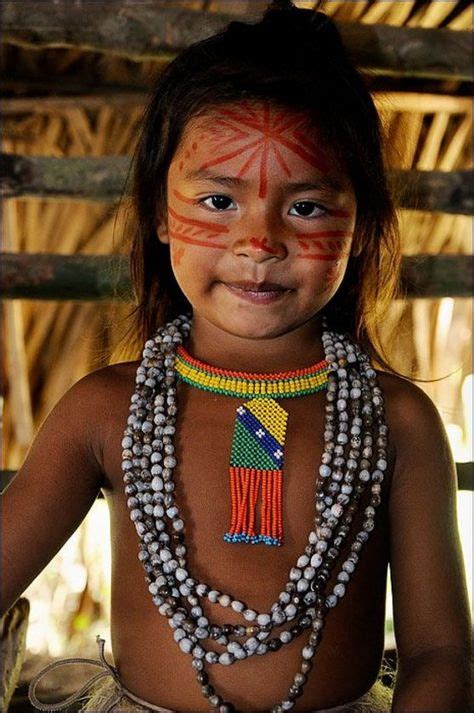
[(260, 241)]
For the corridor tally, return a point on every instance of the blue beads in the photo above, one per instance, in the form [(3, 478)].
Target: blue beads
[(252, 539)]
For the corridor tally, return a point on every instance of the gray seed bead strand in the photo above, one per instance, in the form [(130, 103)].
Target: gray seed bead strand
[(309, 651), (148, 463)]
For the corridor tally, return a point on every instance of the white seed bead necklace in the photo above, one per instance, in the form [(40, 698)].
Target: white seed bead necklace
[(353, 462)]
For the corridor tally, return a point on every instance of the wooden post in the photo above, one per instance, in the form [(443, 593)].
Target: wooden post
[(144, 31), (65, 277)]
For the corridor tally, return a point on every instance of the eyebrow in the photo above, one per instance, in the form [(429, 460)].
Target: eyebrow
[(324, 183), (204, 174)]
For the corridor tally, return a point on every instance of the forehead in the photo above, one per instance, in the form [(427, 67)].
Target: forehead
[(248, 136), (255, 113), (237, 120)]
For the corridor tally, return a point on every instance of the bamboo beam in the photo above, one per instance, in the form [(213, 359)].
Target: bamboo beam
[(434, 191), (105, 277), (103, 179), (97, 179), (432, 53), (424, 102), (46, 276), (141, 31), (436, 276)]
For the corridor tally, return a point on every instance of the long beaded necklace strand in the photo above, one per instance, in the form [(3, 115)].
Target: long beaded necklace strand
[(258, 444), (354, 422)]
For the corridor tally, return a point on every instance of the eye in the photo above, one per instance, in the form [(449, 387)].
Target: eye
[(306, 209), (218, 202)]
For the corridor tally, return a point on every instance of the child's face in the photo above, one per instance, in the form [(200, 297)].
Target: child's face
[(260, 219)]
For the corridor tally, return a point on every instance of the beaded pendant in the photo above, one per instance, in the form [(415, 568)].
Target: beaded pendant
[(256, 469), (258, 443)]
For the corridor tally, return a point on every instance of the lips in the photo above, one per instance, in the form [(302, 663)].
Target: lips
[(257, 292), (247, 286)]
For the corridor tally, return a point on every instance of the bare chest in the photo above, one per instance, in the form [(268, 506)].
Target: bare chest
[(203, 444), (252, 574)]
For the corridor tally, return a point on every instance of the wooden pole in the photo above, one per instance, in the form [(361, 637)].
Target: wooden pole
[(142, 31), (46, 276), (84, 178), (104, 179), (434, 276), (434, 191), (105, 277)]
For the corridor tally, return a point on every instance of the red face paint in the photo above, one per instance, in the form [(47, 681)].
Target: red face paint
[(259, 136), (178, 252), (195, 232), (324, 244), (261, 244)]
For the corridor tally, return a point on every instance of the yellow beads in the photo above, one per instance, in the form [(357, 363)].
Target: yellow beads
[(272, 416), (240, 384)]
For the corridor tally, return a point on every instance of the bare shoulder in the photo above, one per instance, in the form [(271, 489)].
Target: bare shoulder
[(93, 403), (405, 401), (98, 391), (113, 376), (416, 428)]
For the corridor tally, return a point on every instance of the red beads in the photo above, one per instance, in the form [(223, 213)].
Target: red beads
[(245, 485)]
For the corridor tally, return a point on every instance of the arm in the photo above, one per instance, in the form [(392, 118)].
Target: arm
[(54, 489), (431, 612)]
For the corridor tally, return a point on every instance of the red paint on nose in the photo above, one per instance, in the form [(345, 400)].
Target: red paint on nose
[(261, 244)]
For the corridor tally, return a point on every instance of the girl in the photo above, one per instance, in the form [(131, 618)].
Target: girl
[(270, 472)]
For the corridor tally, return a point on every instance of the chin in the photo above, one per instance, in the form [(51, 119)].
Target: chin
[(256, 328)]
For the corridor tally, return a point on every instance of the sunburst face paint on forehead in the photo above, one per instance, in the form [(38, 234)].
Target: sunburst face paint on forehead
[(255, 195), (261, 136)]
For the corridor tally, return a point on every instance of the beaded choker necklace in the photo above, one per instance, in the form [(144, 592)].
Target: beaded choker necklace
[(258, 444), (349, 479)]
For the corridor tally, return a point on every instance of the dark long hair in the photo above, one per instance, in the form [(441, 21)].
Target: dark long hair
[(294, 58)]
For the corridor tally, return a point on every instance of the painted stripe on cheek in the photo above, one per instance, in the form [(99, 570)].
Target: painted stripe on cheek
[(214, 227)]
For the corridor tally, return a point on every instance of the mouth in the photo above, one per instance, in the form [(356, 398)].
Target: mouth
[(258, 292)]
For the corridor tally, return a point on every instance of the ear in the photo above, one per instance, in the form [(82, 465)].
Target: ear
[(162, 230), (356, 246)]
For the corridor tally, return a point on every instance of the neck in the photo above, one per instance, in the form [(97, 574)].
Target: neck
[(296, 349)]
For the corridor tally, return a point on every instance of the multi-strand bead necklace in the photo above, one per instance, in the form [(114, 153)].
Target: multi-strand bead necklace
[(353, 462)]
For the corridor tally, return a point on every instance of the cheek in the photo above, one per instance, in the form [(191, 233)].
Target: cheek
[(325, 246), (325, 278), (194, 268), (322, 263), (194, 232), (334, 274)]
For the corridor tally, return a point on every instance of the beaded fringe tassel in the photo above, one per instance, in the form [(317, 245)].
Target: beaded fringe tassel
[(256, 471)]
